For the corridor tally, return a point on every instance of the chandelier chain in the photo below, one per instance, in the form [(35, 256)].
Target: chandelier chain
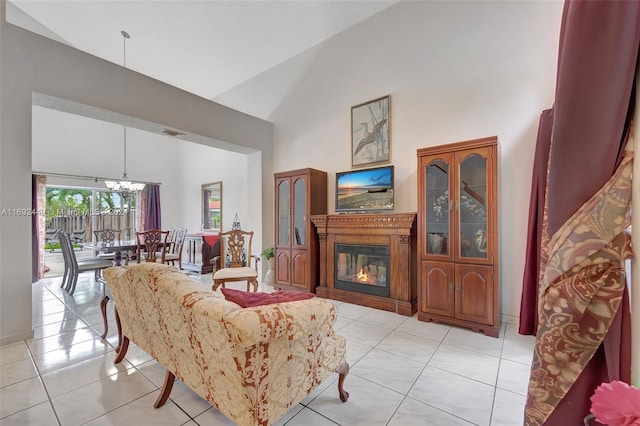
[(124, 187), (125, 36), (125, 150)]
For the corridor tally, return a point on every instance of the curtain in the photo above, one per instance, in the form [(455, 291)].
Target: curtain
[(152, 211), (140, 212), (38, 225), (531, 280), (583, 336)]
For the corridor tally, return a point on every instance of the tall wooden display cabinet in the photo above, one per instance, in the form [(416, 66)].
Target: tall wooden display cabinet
[(298, 195), (458, 234)]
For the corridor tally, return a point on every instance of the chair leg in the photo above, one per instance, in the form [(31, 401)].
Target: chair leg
[(67, 285), (169, 378), (74, 281), (64, 279)]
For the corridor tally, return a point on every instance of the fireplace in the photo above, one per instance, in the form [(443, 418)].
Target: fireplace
[(362, 268), (368, 259)]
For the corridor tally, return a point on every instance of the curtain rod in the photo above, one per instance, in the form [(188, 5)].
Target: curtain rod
[(93, 178)]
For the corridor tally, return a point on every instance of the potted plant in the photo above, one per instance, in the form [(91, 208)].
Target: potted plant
[(269, 254)]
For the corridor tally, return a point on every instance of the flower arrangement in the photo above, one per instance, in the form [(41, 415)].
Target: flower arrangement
[(474, 207), (616, 404), (441, 205)]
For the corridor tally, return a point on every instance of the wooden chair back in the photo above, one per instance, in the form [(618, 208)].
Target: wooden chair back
[(235, 248), (107, 235), (178, 242), (154, 243)]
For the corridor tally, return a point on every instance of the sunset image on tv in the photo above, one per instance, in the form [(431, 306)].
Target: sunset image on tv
[(370, 189)]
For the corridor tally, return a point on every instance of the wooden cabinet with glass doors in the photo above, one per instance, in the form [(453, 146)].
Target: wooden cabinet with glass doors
[(298, 195), (458, 234)]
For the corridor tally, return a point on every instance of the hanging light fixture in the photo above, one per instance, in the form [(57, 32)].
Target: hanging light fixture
[(124, 187)]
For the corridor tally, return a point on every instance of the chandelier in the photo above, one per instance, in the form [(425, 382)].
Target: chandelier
[(124, 187)]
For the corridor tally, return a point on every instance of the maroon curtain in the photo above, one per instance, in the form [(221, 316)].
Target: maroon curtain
[(596, 70), (598, 53), (38, 224), (152, 215), (35, 243), (530, 285)]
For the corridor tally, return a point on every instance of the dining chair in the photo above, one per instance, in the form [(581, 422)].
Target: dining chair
[(77, 237), (51, 239), (106, 236), (172, 235), (174, 253), (234, 262), (73, 267), (152, 245)]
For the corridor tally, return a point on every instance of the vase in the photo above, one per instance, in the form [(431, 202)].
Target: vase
[(270, 276), (481, 240), (435, 242)]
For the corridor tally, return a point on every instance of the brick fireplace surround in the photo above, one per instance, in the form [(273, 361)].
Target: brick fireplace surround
[(394, 230)]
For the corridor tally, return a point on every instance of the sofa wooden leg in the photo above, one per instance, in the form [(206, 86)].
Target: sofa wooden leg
[(169, 378), (122, 351), (343, 371), (119, 329), (103, 309)]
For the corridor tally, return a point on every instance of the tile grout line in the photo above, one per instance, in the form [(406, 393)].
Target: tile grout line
[(495, 387)]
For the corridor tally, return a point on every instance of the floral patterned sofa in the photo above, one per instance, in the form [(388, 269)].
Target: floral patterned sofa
[(253, 364)]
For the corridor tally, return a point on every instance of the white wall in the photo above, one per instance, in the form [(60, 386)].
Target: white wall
[(31, 64), (76, 145), (201, 164), (454, 70)]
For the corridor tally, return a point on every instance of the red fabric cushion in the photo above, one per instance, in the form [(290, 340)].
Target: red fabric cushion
[(247, 299)]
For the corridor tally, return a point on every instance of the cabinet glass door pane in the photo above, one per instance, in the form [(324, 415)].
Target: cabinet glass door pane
[(472, 210), (437, 208), (299, 209), (284, 219)]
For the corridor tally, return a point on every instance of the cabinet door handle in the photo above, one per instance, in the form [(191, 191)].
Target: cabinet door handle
[(450, 287)]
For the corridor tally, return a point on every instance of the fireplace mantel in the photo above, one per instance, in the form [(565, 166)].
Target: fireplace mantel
[(394, 230)]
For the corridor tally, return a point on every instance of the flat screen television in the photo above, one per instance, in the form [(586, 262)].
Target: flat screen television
[(364, 190)]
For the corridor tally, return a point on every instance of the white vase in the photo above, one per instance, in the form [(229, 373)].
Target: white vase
[(270, 276)]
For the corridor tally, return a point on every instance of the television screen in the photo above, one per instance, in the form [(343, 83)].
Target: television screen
[(365, 190)]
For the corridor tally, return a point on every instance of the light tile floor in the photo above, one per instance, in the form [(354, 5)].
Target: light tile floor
[(404, 372)]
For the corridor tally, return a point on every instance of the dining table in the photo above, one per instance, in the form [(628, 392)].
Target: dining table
[(117, 247)]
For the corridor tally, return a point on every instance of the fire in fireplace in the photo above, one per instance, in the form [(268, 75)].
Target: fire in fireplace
[(362, 268)]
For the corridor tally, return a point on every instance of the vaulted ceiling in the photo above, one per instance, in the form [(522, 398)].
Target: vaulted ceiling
[(204, 47)]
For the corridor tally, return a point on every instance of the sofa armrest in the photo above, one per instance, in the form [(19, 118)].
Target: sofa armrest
[(300, 319)]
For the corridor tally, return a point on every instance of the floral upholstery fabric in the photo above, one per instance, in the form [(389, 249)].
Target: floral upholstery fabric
[(582, 287), (253, 364)]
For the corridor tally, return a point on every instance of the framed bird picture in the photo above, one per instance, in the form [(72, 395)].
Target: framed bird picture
[(370, 132)]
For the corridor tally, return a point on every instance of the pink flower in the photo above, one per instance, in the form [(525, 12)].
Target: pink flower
[(616, 404)]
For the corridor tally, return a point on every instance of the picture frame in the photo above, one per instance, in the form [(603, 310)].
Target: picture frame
[(371, 132)]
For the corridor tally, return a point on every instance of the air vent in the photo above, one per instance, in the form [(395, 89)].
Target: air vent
[(174, 133)]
